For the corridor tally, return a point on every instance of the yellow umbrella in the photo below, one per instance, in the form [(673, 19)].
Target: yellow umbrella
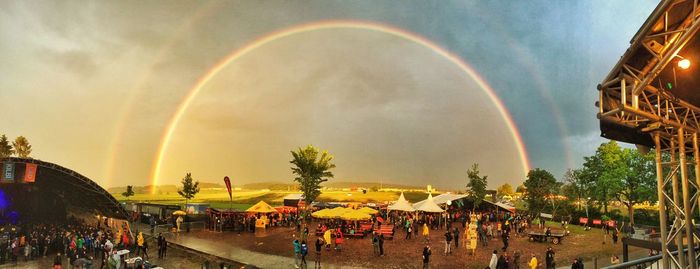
[(261, 207), (180, 213), (321, 214), (368, 210), (355, 215), (338, 211)]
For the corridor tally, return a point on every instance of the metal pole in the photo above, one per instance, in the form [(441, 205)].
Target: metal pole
[(696, 156), (677, 221), (686, 199), (662, 200)]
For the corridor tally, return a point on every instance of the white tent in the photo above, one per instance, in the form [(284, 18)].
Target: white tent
[(402, 205), (442, 199), (428, 205)]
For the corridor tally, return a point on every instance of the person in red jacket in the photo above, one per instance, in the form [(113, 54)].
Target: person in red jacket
[(338, 240)]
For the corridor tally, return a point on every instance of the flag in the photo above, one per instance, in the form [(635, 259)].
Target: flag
[(228, 186), (30, 173)]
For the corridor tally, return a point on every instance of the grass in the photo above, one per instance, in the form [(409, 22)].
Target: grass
[(244, 199)]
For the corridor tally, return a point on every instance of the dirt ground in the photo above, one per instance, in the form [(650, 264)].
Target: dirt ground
[(402, 253)]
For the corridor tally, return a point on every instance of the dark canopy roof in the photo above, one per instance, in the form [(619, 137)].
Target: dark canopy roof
[(683, 86), (74, 189)]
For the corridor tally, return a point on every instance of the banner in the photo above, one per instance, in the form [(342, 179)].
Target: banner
[(583, 221), (611, 223), (228, 187), (8, 172), (597, 222), (30, 173)]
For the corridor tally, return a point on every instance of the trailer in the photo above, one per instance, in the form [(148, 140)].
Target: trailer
[(556, 237)]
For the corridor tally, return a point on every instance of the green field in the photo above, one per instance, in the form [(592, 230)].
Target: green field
[(246, 198)]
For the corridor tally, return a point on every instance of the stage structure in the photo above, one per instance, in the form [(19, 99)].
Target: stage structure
[(651, 98), (36, 189)]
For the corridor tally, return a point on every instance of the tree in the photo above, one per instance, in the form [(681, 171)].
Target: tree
[(505, 189), (576, 188), (540, 185), (476, 187), (22, 147), (129, 191), (520, 189), (311, 170), (5, 147), (638, 181), (621, 174), (189, 189)]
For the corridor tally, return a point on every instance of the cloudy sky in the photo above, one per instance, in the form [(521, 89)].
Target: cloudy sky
[(94, 85)]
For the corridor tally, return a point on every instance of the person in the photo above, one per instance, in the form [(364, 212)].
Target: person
[(614, 259), (448, 241), (327, 238), (549, 258), (504, 236), (503, 262), (297, 250), (381, 245), (516, 259), (426, 257), (57, 261), (426, 233), (533, 262), (456, 237), (319, 245), (162, 246), (409, 230), (304, 250), (375, 243), (338, 240), (139, 243), (178, 222), (494, 260), (153, 225), (305, 234), (615, 236)]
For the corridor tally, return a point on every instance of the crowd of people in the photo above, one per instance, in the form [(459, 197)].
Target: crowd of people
[(75, 244)]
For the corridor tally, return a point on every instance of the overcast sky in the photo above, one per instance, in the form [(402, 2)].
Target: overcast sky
[(93, 84)]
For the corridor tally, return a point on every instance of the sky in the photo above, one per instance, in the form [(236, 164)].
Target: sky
[(94, 86)]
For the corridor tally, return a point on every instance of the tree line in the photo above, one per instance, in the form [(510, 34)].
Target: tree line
[(611, 174), (20, 147)]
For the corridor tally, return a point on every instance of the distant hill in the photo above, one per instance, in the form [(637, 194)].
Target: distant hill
[(162, 188), (277, 186), (368, 185)]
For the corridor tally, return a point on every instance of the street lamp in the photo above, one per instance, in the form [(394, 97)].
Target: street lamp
[(587, 201), (684, 63)]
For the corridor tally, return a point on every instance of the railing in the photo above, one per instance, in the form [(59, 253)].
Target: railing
[(651, 262), (167, 228)]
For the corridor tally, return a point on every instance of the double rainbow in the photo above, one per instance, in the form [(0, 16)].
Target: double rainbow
[(329, 25)]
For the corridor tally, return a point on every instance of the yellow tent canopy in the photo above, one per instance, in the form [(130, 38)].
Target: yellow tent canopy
[(322, 214), (261, 207), (355, 215), (368, 210)]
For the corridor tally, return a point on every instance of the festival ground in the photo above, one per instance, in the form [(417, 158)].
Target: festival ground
[(273, 249)]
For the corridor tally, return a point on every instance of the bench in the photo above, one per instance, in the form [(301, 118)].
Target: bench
[(387, 230)]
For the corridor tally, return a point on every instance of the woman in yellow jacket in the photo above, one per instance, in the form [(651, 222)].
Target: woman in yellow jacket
[(139, 243), (533, 262), (327, 238), (426, 233)]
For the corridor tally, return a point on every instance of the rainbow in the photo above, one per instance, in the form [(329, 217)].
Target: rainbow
[(324, 25)]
